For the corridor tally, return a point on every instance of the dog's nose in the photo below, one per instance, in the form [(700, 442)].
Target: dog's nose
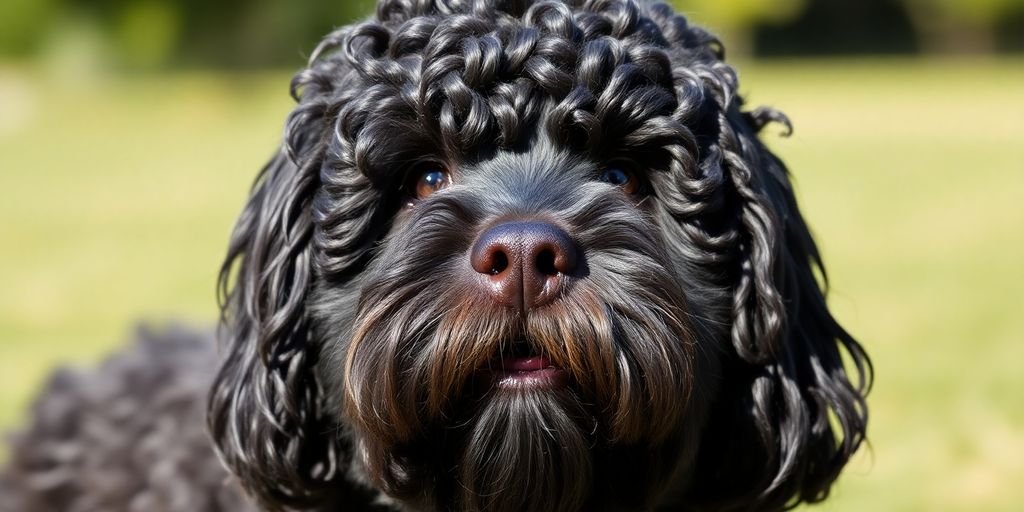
[(524, 261)]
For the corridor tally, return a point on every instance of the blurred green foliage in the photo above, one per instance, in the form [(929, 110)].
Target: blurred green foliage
[(732, 19), (951, 25), (741, 12), (148, 34), (979, 12), (21, 22)]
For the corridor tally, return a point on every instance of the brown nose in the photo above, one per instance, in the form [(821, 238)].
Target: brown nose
[(524, 261)]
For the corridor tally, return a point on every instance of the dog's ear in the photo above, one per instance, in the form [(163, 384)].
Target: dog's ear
[(266, 414), (792, 408), (309, 227)]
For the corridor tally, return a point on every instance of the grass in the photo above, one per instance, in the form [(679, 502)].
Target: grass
[(118, 194)]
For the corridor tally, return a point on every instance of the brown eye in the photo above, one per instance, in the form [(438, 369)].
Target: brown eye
[(621, 178), (428, 179)]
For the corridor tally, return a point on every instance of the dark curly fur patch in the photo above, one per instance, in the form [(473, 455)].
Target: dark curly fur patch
[(126, 436)]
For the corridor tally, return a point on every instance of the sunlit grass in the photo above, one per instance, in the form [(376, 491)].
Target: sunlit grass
[(913, 177), (117, 196)]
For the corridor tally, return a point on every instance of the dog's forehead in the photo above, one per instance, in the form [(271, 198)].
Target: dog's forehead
[(535, 160), (539, 173), (467, 88)]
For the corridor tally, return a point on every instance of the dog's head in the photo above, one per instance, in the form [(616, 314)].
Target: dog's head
[(529, 256)]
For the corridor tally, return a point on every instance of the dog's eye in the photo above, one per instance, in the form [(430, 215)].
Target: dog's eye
[(427, 179), (621, 178)]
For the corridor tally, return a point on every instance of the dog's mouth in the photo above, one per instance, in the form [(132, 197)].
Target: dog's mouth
[(521, 366)]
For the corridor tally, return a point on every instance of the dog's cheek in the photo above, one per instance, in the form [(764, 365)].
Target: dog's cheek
[(333, 309)]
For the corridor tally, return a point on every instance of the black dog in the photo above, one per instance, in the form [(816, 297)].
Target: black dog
[(526, 256)]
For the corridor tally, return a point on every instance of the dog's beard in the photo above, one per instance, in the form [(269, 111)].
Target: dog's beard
[(431, 420), (526, 450)]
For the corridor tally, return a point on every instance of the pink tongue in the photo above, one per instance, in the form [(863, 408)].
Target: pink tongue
[(525, 364)]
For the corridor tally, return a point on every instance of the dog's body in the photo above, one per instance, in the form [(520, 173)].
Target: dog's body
[(129, 436), (518, 256)]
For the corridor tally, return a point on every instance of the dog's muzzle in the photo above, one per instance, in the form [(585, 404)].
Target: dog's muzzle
[(523, 264)]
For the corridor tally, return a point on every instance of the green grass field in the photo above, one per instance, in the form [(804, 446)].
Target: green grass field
[(117, 196)]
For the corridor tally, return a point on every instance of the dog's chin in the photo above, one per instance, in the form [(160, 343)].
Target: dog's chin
[(528, 444), (486, 410), (524, 433)]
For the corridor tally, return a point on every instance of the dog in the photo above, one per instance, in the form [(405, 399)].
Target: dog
[(511, 256)]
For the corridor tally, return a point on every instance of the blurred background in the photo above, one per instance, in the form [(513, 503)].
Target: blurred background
[(131, 129)]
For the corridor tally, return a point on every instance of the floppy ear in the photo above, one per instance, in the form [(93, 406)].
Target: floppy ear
[(311, 219), (265, 413), (789, 415)]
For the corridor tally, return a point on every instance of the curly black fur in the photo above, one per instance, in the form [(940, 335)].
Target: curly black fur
[(127, 436), (706, 370)]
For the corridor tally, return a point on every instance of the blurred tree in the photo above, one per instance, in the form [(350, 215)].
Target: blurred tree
[(20, 21), (959, 26), (152, 34), (828, 27), (146, 33), (734, 20), (262, 32), (1010, 30)]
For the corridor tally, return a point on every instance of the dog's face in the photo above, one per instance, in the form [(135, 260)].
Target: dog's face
[(529, 256), (523, 317)]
